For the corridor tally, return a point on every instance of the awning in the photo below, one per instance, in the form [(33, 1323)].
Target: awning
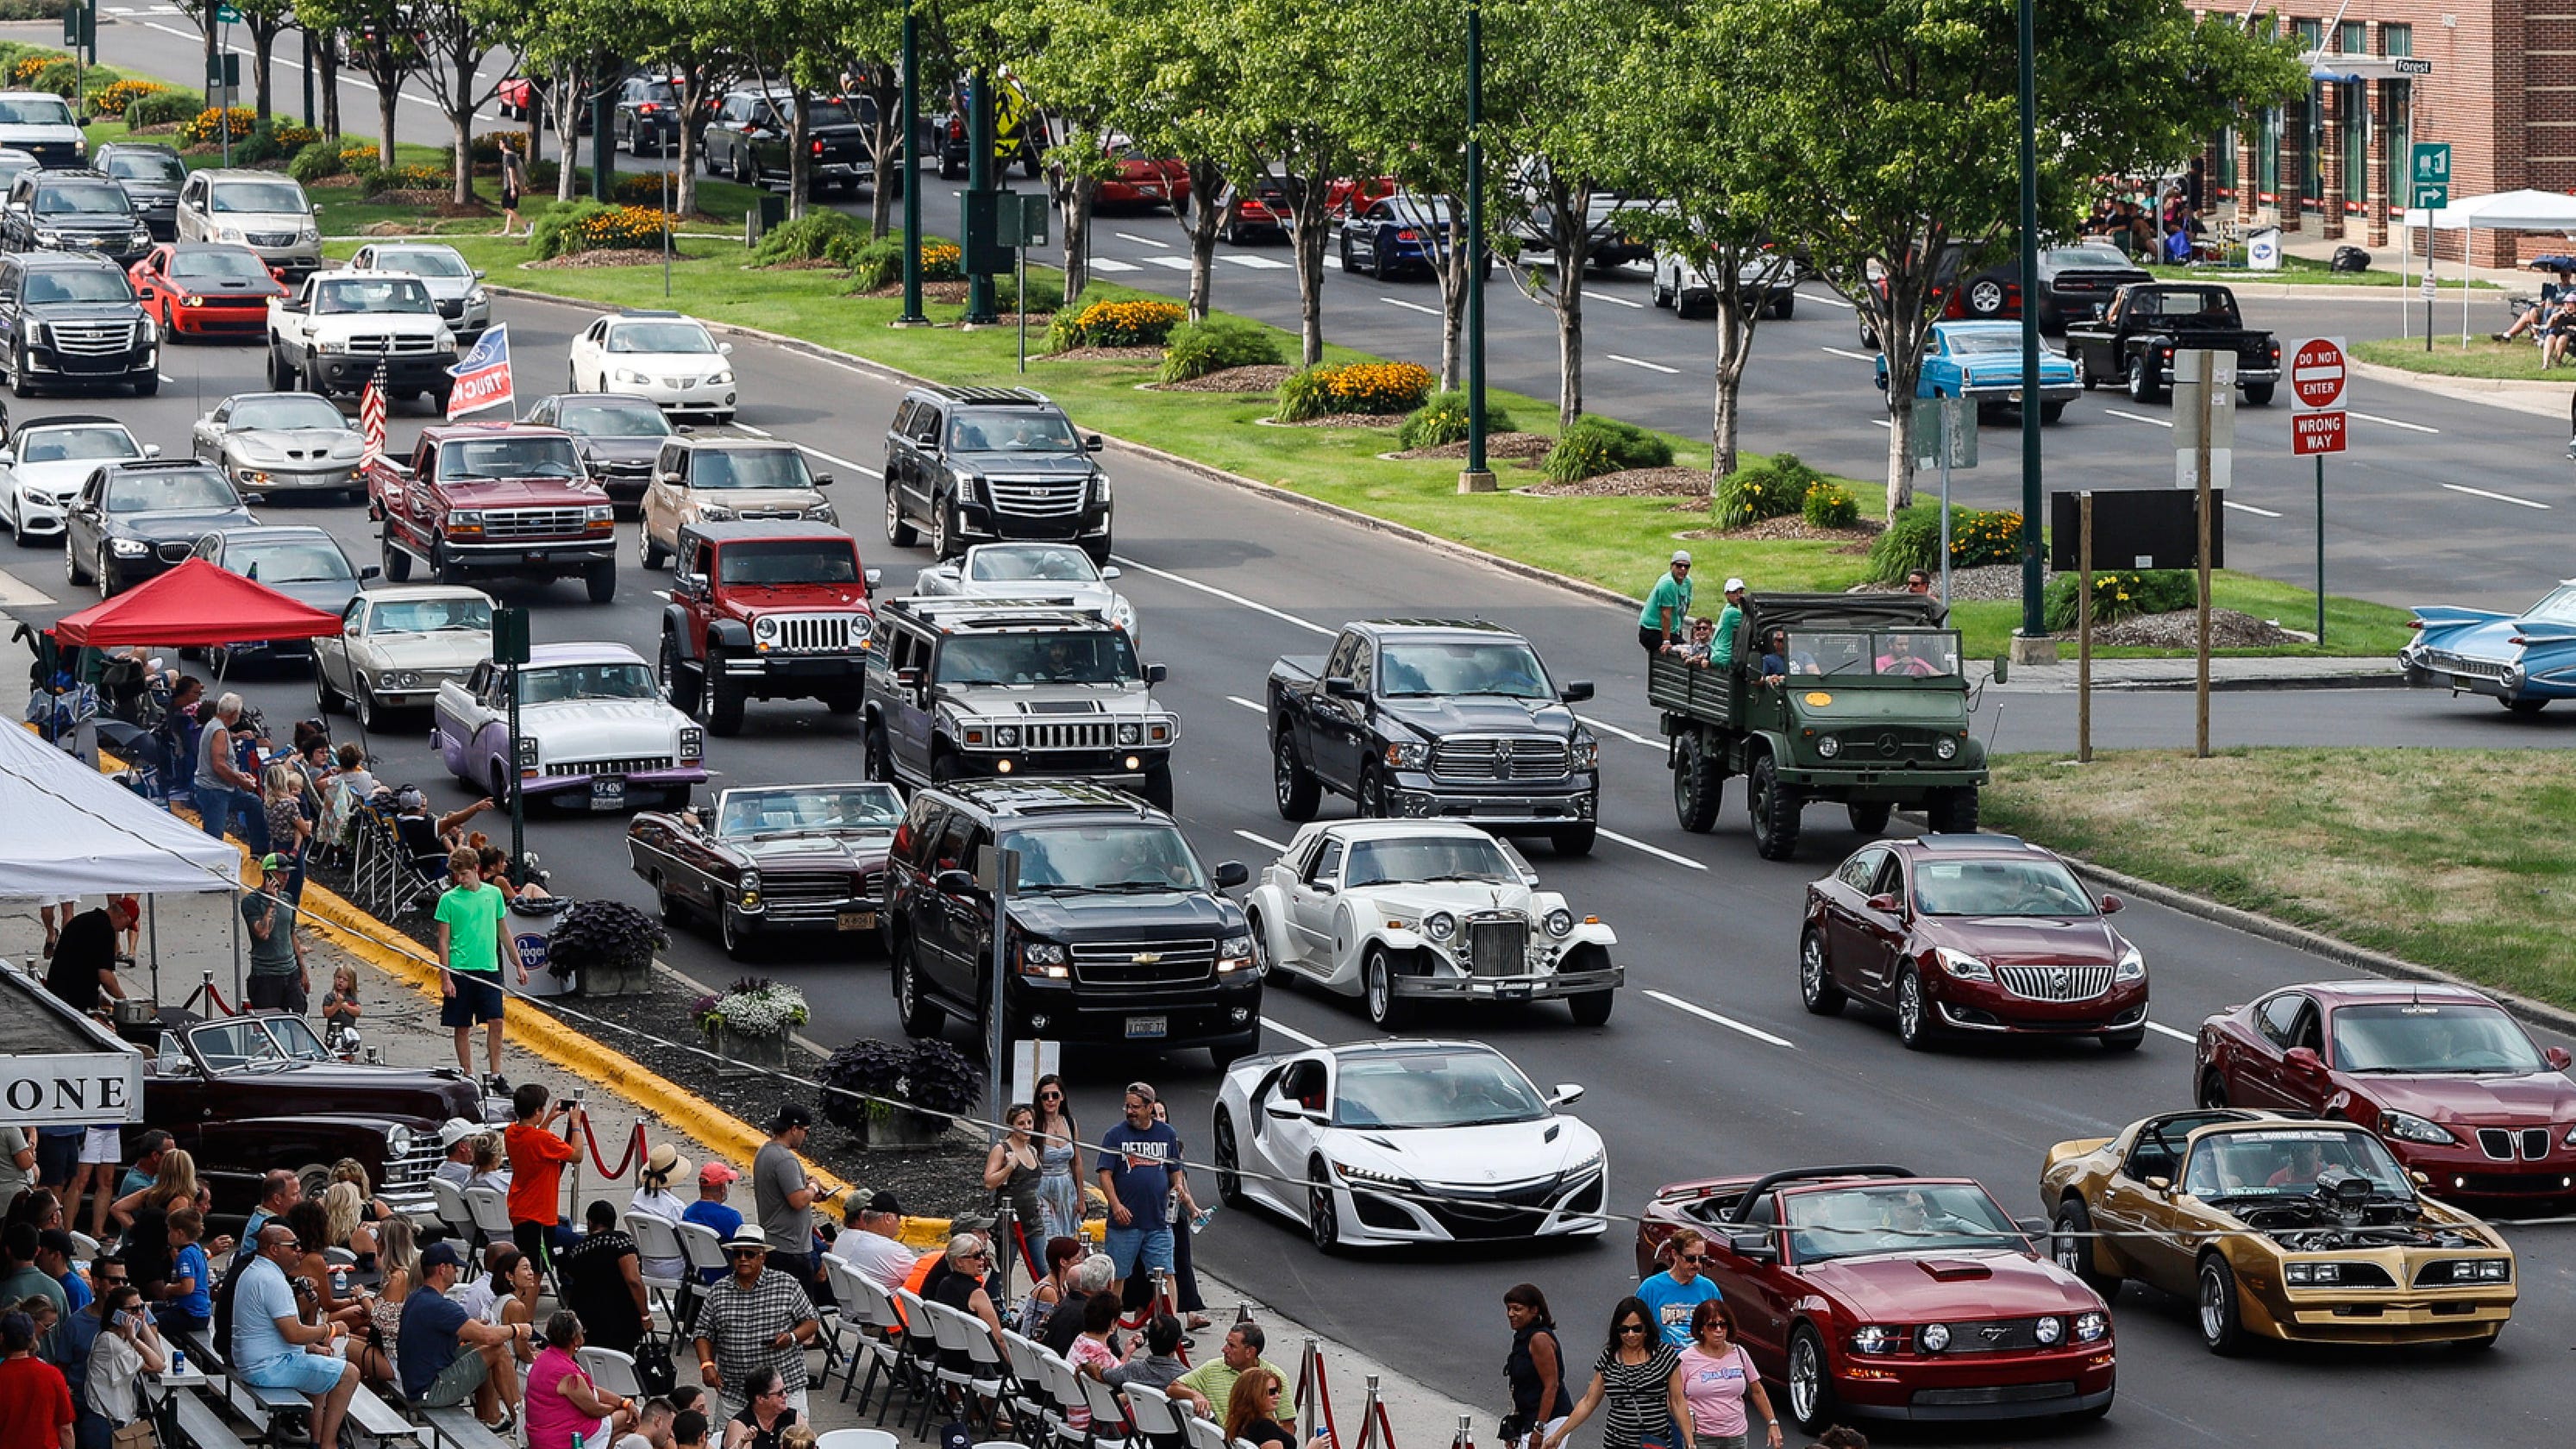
[(2524, 210), (75, 832), (195, 603)]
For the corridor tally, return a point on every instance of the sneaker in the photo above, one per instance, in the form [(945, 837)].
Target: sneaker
[(497, 1085)]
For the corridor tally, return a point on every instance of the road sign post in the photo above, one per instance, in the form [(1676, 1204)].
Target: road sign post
[(1945, 433), (2318, 426), (2428, 190), (2084, 633), (2205, 425)]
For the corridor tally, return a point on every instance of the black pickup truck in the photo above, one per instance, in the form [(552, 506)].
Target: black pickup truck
[(1436, 719), (2132, 340), (747, 140)]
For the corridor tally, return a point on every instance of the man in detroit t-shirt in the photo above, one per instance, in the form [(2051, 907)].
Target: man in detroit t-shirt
[(1138, 1160)]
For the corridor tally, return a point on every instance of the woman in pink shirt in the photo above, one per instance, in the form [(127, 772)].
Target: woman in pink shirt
[(562, 1401), (1716, 1378)]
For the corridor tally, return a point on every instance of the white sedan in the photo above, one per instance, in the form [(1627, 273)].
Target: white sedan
[(661, 355), (1051, 571), (1391, 1142), (44, 464), (1401, 911)]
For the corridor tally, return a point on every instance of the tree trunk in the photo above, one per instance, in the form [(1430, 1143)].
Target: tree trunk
[(1306, 232), (1734, 346), (326, 77), (1900, 447), (884, 137), (692, 137), (263, 44), (462, 124), (1073, 202), (800, 166), (562, 109), (1198, 224), (1455, 268), (387, 97)]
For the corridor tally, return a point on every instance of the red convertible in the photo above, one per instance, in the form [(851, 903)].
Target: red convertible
[(205, 289), (2451, 1083), (1870, 1292)]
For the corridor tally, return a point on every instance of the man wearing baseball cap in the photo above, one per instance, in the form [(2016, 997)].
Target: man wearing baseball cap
[(278, 980), (1721, 650), (871, 1247), (1667, 613), (711, 1211)]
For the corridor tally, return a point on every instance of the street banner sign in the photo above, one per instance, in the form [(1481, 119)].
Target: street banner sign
[(2429, 178), (2314, 434), (2317, 372)]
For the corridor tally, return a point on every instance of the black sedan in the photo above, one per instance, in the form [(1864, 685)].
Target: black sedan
[(136, 521), (619, 435), (1398, 234), (302, 562), (2075, 280), (772, 858)]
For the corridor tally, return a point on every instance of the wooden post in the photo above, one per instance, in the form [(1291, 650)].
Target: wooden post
[(2084, 630), (2200, 457)]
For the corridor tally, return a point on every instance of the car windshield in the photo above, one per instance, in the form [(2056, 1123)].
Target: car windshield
[(1504, 668), (2087, 257), (1428, 857), (264, 197), (1998, 888), (1143, 856), (2431, 1037), (1847, 654), (559, 683), (147, 166), (1020, 563), (1897, 1217), (313, 561), (77, 284), (473, 459), (84, 198), (35, 111), (256, 1040), (803, 809), (750, 468), (1011, 430), (372, 294), (788, 561), (2285, 1162), (430, 616), (613, 420), (660, 337), (655, 91), (2558, 608), (177, 489), (1090, 657), (287, 410), (828, 113), (1413, 210), (63, 445), (422, 262), (1979, 344), (1464, 1087), (218, 265)]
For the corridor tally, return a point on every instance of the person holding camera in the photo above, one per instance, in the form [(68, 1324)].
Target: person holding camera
[(537, 1158)]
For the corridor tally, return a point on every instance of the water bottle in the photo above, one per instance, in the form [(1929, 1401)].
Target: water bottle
[(1199, 1224), (339, 1282)]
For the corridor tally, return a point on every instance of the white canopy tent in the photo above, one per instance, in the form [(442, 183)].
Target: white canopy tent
[(2523, 210)]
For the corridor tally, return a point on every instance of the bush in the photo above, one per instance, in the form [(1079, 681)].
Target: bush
[(544, 176), (1140, 323), (292, 137), (160, 108), (207, 126), (1596, 445), (807, 237), (1196, 349), (871, 261), (1830, 505), (111, 100), (589, 226), (485, 149), (24, 69), (1978, 536), (646, 188), (420, 176), (1770, 489), (315, 163), (1359, 387), (60, 77), (1443, 419), (1046, 295), (2120, 595)]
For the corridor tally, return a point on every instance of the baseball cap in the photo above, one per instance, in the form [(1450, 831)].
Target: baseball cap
[(716, 1174), (884, 1202), (440, 1255), (791, 1114), (1733, 586), (457, 1129), (272, 861), (1681, 555), (55, 1240)]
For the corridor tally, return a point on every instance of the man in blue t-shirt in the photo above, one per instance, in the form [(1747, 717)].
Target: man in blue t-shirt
[(275, 1348), (447, 1356), (1673, 1294), (1139, 1158), (711, 1211)]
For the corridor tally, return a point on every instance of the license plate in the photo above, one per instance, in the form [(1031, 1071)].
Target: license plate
[(858, 920), (608, 794), (1512, 991), (538, 558), (1140, 1028)]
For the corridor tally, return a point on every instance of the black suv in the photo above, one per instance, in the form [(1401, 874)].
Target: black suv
[(1116, 934), (970, 463), (134, 521), (747, 140), (72, 321), (151, 176), (73, 211), (647, 115)]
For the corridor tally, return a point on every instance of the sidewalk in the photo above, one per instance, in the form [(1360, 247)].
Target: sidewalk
[(2228, 673)]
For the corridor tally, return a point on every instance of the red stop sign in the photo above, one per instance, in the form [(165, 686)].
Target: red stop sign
[(2317, 372)]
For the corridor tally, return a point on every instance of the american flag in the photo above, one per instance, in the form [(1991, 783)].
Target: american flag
[(371, 418)]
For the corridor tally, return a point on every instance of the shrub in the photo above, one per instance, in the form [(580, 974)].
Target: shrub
[(2121, 595), (806, 237), (1769, 489), (1046, 295), (544, 176), (1196, 349), (160, 108), (1830, 505), (207, 126), (1978, 536), (1139, 323), (485, 149), (419, 176), (1358, 387), (603, 935), (292, 137), (1596, 445), (359, 158), (590, 226), (753, 1006), (941, 262), (61, 77), (315, 163), (866, 1068), (24, 70), (1443, 419), (112, 100), (646, 188), (872, 262)]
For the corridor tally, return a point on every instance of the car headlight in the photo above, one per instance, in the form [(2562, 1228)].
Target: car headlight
[(721, 379), (822, 513), (1874, 1339), (128, 547), (1100, 489), (1408, 755), (478, 298), (765, 627), (401, 679), (466, 518), (748, 888), (230, 234), (599, 513), (1440, 925), (1007, 736), (38, 334), (308, 233), (1044, 958), (714, 512), (693, 742), (1828, 746), (636, 378), (141, 236), (1934, 1337), (2090, 1326), (1946, 747), (1234, 953), (1963, 965), (2570, 1140), (2407, 1127), (528, 754), (2133, 965), (1587, 754), (2312, 1275), (1559, 922), (1369, 1175), (2049, 1330), (397, 1143), (1131, 734), (863, 627)]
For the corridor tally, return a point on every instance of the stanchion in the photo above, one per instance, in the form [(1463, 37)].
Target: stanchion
[(1466, 1434)]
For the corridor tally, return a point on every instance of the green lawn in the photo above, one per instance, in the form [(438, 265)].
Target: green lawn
[(2457, 859), (2298, 271), (2483, 357)]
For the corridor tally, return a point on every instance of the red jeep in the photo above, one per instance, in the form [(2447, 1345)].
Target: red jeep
[(495, 498), (773, 609)]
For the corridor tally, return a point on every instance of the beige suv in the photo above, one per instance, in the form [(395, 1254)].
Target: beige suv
[(721, 480)]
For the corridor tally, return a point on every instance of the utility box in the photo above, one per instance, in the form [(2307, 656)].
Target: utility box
[(2135, 528), (985, 254), (2263, 249)]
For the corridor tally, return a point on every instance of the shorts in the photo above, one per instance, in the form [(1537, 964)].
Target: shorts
[(457, 1382), (278, 991), (306, 1373), (477, 999), (1146, 1245), (103, 1144), (1651, 637), (57, 1158), (509, 198)]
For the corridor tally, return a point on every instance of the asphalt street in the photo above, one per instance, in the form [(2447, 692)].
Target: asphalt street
[(1710, 1064)]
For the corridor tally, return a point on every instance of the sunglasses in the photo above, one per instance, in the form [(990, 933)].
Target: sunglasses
[(1632, 1328), (1050, 1096), (1692, 1257), (746, 1252)]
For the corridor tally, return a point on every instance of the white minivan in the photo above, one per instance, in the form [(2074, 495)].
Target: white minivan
[(261, 210)]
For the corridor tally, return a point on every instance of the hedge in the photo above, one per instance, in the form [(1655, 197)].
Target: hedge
[(1595, 445), (1772, 488), (1978, 536), (1196, 349)]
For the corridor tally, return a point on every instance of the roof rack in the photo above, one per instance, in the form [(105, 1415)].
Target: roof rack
[(980, 611), (988, 394)]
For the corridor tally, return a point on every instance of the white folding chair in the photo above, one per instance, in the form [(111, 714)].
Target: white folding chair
[(864, 1439), (1204, 1433), (704, 1250), (611, 1370), (491, 1213), (1108, 1416), (1064, 1391), (881, 1335), (1022, 1353), (1154, 1414), (655, 1239), (958, 1333), (454, 1213), (85, 1246)]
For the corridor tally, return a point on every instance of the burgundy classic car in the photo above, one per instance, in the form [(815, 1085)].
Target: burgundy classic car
[(1869, 1292), (1963, 934), (2451, 1083), (772, 858)]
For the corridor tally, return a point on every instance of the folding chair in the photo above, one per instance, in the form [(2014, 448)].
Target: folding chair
[(1108, 1416), (860, 1439), (704, 1250), (454, 1213), (1204, 1433), (491, 1212), (957, 1333), (654, 1238), (1155, 1417), (1028, 1372), (613, 1371), (865, 1307)]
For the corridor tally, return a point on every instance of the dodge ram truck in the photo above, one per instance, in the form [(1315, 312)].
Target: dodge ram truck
[(332, 333)]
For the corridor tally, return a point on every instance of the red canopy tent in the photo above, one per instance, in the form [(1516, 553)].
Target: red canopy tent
[(193, 604)]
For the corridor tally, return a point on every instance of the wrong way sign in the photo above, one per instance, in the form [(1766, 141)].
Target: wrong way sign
[(2317, 370), (2313, 434)]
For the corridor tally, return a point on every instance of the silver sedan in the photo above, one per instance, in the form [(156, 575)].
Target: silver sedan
[(281, 442)]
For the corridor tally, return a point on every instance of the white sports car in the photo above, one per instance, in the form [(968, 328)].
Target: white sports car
[(661, 355), (1408, 1142), (1032, 571), (1400, 911)]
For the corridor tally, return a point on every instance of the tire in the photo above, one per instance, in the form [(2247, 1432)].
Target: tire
[(2222, 1325), (1372, 794), (898, 532), (723, 697), (2074, 1251), (1661, 295), (1349, 268), (1592, 1008), (2050, 412), (103, 573), (1381, 267), (876, 756), (368, 711), (842, 703), (1157, 787), (1098, 551), (600, 581), (71, 565), (1264, 964), (1699, 785), (919, 1016), (648, 553), (943, 530), (2143, 384), (1775, 809), (1913, 1012), (2084, 377), (1573, 840), (1816, 976), (18, 384), (1229, 1163), (2259, 394), (1952, 811), (1293, 787), (1386, 1010), (326, 700), (148, 384), (1869, 817), (281, 378), (1809, 1379), (944, 765), (2213, 1089), (397, 564), (2525, 706), (438, 397), (737, 934), (439, 568), (678, 680), (1323, 1219), (1028, 162), (1786, 307)]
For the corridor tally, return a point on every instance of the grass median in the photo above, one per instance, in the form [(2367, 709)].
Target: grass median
[(2483, 357), (2299, 271), (2456, 859)]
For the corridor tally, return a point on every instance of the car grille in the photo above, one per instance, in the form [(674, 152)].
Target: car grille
[(818, 632), (531, 522), (1038, 497), (2450, 663), (1994, 1394), (2055, 983), (1498, 945), (1994, 1335), (175, 551), (1508, 757), (1175, 963), (91, 339), (393, 344), (2500, 1143), (452, 307), (1515, 1210), (414, 1167), (1068, 735), (269, 238), (769, 515), (633, 765)]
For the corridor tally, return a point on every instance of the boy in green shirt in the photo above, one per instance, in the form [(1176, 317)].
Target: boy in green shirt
[(473, 938)]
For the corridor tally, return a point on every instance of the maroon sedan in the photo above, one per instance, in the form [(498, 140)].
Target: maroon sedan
[(1966, 934), (1870, 1292), (2451, 1083)]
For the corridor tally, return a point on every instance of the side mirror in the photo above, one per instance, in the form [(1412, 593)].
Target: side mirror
[(1754, 1245), (370, 571), (2556, 1057), (2101, 310), (671, 478), (1565, 1094), (822, 480), (317, 211), (953, 882), (2035, 1227), (908, 678), (353, 631), (1109, 572), (2303, 1061), (1157, 673), (2160, 1186), (152, 450), (873, 577), (1093, 443), (1884, 904), (1291, 1112), (724, 349), (2111, 904), (478, 271), (1231, 873), (1323, 887), (1576, 691), (1342, 686)]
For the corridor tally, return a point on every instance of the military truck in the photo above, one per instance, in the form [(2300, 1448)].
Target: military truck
[(1870, 711)]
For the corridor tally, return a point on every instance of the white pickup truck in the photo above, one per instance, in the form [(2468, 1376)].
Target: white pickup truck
[(337, 328)]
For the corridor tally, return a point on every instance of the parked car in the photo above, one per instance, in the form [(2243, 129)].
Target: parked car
[(41, 124), (1767, 280), (2521, 661), (2134, 339), (261, 210), (281, 442), (300, 561), (660, 355), (618, 434), (973, 463), (772, 859), (205, 289), (646, 117), (1990, 294), (1055, 573), (726, 480), (456, 287), (70, 321), (46, 460), (1259, 212), (135, 521), (73, 211), (397, 646), (494, 498), (1346, 196), (749, 136), (2076, 281), (597, 734), (151, 175), (1981, 361), (773, 610)]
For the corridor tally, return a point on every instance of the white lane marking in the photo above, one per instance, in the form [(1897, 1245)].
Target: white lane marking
[(755, 432), (1607, 728), (1112, 264), (1332, 261), (1590, 295), (1177, 264), (1654, 850), (1253, 705), (838, 462), (1641, 362), (2140, 418), (1847, 352), (2160, 1029), (2394, 423), (1264, 841), (1883, 422), (1189, 583), (2498, 497), (1410, 306), (1829, 299), (1730, 1023), (1258, 264), (663, 594), (2249, 508), (1145, 241), (1293, 1034)]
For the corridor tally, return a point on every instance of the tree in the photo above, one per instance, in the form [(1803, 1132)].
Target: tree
[(455, 37), (1895, 127), (1283, 125), (684, 39), (265, 20), (384, 44), (573, 45), (1076, 69), (1169, 84)]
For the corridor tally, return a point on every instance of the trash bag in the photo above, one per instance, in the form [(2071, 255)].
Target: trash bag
[(2349, 259)]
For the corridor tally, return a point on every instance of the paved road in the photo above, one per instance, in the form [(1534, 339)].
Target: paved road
[(1721, 1070)]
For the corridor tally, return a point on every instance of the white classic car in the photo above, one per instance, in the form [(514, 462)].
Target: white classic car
[(397, 645), (597, 732), (1050, 571), (1396, 911)]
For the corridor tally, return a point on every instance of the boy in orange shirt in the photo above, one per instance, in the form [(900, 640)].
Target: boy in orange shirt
[(537, 1158)]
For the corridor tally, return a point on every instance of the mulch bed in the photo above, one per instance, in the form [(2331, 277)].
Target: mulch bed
[(1629, 483), (441, 202), (2228, 629), (1497, 445), (606, 257), (1105, 354), (803, 264), (1986, 581), (953, 293), (1344, 420), (1258, 377)]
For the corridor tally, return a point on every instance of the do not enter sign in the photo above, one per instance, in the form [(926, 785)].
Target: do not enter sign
[(2317, 373)]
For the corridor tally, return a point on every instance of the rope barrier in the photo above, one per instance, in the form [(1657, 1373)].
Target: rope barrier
[(1313, 1393), (635, 1152)]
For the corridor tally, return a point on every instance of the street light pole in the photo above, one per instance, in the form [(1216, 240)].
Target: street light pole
[(979, 185), (912, 316), (1477, 478), (2033, 621)]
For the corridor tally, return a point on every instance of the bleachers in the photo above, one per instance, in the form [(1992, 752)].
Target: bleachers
[(203, 1427), (457, 1428)]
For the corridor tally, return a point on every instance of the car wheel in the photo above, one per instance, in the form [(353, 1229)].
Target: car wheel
[(326, 700), (679, 690), (1816, 976), (397, 563), (943, 529), (724, 699), (666, 904), (1323, 1219), (2524, 706), (736, 932), (898, 532), (2213, 1089), (368, 710), (1372, 795), (1699, 785), (2084, 377), (1952, 811), (1349, 267), (1869, 817), (440, 568), (18, 384), (1592, 1008), (1156, 787), (1386, 1010), (1775, 808), (2050, 412), (648, 554), (1661, 295), (1811, 1381), (919, 1017), (1229, 1163), (71, 564), (875, 757), (2143, 382), (1385, 268), (2222, 1329), (2259, 394), (2071, 1244), (1293, 787), (103, 573), (1573, 841), (599, 581), (1913, 1012), (1265, 962), (147, 385)]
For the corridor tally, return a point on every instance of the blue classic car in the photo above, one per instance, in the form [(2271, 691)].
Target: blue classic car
[(1397, 234), (1982, 361), (2523, 661)]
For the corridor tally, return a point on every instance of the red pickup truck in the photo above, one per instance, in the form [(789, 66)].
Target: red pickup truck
[(495, 498)]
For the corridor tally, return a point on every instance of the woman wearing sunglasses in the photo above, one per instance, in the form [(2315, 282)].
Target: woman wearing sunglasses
[(1634, 1375), (1717, 1378), (1059, 1143)]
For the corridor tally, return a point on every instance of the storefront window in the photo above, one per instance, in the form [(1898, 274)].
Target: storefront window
[(2311, 141)]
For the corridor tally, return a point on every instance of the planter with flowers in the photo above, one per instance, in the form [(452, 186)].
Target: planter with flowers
[(749, 1024), (892, 1096), (598, 947)]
